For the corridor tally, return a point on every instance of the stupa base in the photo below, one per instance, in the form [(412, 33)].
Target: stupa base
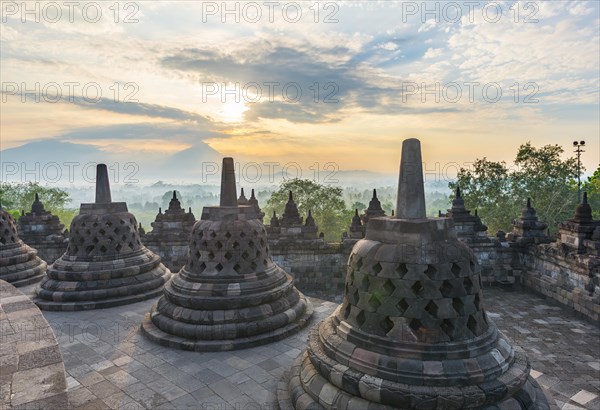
[(50, 305), (153, 333), (27, 276), (305, 388)]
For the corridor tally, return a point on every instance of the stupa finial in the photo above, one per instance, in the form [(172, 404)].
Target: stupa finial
[(411, 191), (102, 185), (228, 190)]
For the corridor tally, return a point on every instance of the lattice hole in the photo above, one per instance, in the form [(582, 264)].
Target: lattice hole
[(364, 283), (402, 306), (374, 302), (201, 235), (347, 311), (459, 306), (472, 324), (377, 268), (236, 245), (253, 265), (227, 235), (245, 255), (228, 255), (455, 269), (213, 234), (446, 289), (237, 268), (197, 254), (430, 271), (402, 269), (447, 327), (360, 318), (219, 245), (386, 325), (415, 325), (388, 288), (468, 283), (417, 288), (95, 240), (211, 255), (202, 267), (251, 244), (355, 297), (477, 301), (243, 234), (89, 249), (219, 267), (432, 308), (117, 248)]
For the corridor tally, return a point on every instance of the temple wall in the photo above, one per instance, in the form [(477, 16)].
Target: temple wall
[(320, 271), (174, 254), (49, 251), (495, 258), (563, 277)]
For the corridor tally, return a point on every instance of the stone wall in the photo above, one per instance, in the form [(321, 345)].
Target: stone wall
[(319, 271), (173, 254), (50, 250), (563, 276)]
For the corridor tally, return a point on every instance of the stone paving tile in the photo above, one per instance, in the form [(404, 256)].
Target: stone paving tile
[(563, 351)]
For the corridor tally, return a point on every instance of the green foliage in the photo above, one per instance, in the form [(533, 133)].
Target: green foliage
[(21, 196), (326, 203), (592, 187), (499, 193), (17, 197)]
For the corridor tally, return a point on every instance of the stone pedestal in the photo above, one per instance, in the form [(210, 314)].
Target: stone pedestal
[(43, 230), (467, 226), (19, 263), (230, 294), (170, 235), (105, 264), (412, 331), (574, 232), (527, 229)]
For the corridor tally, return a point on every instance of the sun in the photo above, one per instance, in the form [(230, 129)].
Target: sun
[(232, 111)]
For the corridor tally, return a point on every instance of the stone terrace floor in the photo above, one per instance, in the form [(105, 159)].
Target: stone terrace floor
[(111, 365)]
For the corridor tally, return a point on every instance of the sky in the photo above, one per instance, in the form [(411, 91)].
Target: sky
[(327, 85)]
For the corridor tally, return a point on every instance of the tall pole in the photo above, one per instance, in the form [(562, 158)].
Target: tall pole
[(578, 150)]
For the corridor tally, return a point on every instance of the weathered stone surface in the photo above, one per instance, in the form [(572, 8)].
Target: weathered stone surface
[(528, 229), (106, 263), (412, 331), (35, 376), (230, 294), (19, 263)]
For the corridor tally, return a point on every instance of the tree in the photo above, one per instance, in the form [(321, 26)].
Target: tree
[(17, 197), (21, 196), (326, 203), (499, 193), (592, 187)]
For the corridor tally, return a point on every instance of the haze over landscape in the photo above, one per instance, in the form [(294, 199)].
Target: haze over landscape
[(170, 100)]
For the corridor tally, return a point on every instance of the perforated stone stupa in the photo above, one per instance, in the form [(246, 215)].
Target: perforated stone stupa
[(105, 264), (230, 294), (42, 230), (19, 263), (412, 331)]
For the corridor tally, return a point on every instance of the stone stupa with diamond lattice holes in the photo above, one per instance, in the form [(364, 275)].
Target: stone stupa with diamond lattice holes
[(19, 263), (105, 264), (230, 294), (412, 331)]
